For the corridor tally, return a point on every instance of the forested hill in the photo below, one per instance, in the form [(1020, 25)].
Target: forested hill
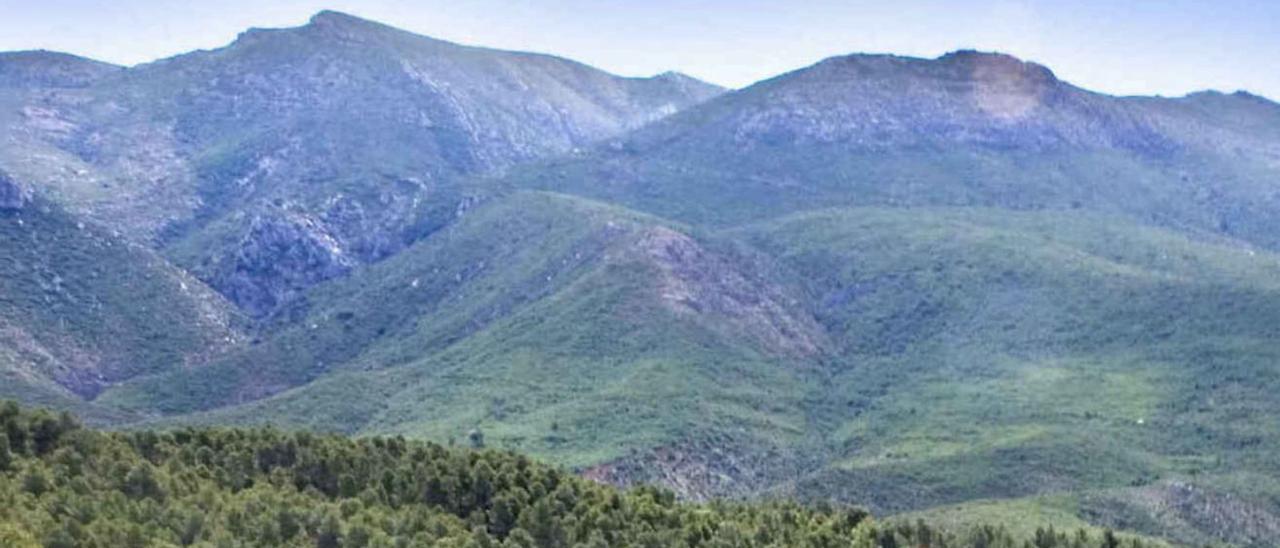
[(65, 486)]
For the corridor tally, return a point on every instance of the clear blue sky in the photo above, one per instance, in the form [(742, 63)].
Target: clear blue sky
[(1167, 47)]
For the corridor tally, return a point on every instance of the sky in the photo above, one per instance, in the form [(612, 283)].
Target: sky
[(1125, 47)]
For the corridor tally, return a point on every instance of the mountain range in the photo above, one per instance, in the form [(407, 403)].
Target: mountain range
[(944, 287)]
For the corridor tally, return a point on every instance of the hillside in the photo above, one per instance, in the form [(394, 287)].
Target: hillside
[(955, 354), (292, 155), (81, 310), (990, 354), (211, 487), (28, 70), (486, 318)]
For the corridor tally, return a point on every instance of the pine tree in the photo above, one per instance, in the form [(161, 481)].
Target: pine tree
[(542, 524), (6, 457), (141, 482), (1109, 539), (330, 535)]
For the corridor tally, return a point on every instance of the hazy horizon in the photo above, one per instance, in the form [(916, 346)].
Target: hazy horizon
[(1142, 48)]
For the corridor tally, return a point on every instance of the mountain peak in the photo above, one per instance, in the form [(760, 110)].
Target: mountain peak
[(963, 64), (679, 80), (50, 68), (674, 76), (332, 18), (996, 64), (973, 55), (341, 26), (328, 26), (1253, 97), (1238, 95)]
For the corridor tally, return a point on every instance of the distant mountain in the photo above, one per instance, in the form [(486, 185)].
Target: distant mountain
[(292, 155), (966, 129)]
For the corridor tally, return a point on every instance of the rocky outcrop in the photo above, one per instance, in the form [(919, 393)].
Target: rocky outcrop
[(726, 295), (282, 254), (12, 195), (705, 467)]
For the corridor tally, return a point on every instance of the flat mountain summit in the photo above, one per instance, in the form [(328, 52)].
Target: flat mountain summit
[(942, 287)]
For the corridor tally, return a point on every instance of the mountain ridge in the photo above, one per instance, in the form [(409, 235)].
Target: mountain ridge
[(966, 129), (201, 138)]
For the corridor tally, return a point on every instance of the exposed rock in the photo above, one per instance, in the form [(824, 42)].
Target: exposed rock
[(1189, 513), (12, 195), (282, 254), (726, 296), (699, 469)]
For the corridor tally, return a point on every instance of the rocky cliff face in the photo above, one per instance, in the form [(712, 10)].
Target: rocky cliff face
[(281, 255)]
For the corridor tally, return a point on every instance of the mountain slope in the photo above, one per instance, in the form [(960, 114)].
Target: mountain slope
[(992, 354), (966, 129), (81, 310), (292, 155), (50, 70), (955, 354), (554, 324)]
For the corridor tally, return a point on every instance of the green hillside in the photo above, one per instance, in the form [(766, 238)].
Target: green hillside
[(81, 310), (991, 354), (571, 329), (956, 354)]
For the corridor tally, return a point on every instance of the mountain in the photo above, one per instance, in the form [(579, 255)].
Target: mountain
[(332, 144), (1002, 355), (966, 129), (1026, 284), (957, 288)]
